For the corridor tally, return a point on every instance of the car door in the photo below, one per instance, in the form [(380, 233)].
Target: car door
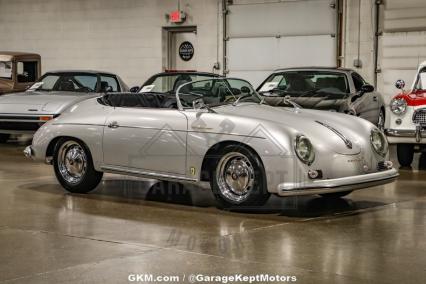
[(146, 139), (367, 106)]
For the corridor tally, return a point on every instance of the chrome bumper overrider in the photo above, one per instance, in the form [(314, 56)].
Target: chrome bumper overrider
[(338, 184), (28, 152)]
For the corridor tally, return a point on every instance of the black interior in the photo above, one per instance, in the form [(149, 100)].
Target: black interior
[(148, 100)]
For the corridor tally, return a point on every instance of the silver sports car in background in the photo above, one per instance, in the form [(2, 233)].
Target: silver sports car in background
[(220, 133), (324, 88), (24, 113)]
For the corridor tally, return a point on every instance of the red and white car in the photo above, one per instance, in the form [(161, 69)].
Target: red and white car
[(406, 127)]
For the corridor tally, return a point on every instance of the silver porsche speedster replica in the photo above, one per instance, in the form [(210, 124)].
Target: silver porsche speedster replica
[(220, 133)]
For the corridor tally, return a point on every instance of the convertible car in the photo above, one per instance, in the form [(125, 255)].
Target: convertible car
[(222, 134), (25, 112), (334, 89), (407, 123)]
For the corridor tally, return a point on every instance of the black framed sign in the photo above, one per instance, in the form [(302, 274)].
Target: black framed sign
[(186, 51)]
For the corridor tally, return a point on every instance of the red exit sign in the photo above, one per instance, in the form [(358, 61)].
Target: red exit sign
[(177, 16)]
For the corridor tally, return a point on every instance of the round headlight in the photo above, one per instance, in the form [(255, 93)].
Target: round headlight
[(379, 142), (304, 150), (398, 106)]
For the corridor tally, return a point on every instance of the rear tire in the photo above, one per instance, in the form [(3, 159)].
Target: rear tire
[(238, 178), (336, 195), (405, 153), (4, 138), (73, 166)]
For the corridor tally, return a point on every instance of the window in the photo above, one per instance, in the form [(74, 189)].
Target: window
[(86, 81), (358, 81), (109, 84), (170, 82), (421, 80), (6, 70), (26, 71), (303, 82)]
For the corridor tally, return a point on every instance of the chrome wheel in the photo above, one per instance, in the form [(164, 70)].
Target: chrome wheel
[(72, 162), (235, 177)]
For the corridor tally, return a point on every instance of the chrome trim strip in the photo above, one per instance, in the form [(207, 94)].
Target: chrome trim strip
[(402, 132), (140, 173), (338, 184), (347, 142)]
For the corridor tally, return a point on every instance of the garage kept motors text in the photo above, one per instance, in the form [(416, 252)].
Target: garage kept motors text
[(186, 51)]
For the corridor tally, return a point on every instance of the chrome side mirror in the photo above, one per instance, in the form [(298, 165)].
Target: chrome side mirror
[(400, 84)]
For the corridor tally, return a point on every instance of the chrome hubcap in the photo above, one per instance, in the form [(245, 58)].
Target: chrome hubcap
[(72, 162), (235, 176)]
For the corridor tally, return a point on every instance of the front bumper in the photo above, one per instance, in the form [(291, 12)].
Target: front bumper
[(406, 135), (338, 184)]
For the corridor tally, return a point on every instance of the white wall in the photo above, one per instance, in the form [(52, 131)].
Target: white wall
[(121, 36)]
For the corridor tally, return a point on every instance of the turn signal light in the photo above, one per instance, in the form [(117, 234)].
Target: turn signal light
[(45, 118)]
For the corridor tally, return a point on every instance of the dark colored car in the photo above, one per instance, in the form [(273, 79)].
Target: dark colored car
[(332, 89)]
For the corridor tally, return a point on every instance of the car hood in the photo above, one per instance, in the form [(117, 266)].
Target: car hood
[(323, 128), (40, 102)]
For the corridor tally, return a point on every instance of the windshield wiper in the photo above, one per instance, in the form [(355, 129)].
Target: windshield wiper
[(287, 100)]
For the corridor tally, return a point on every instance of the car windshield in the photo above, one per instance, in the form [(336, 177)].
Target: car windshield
[(217, 91), (6, 70), (66, 82), (169, 83), (421, 80), (305, 83)]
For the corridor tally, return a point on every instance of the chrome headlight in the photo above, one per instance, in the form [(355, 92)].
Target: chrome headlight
[(379, 142), (398, 106), (304, 150)]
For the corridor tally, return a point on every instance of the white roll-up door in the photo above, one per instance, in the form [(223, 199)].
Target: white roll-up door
[(266, 35), (403, 43)]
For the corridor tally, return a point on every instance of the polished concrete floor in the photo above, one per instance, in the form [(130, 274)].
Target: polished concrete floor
[(130, 226)]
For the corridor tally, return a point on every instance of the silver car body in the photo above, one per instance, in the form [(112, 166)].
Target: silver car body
[(24, 112), (171, 144)]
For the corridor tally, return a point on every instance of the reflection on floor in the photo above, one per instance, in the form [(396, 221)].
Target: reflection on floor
[(128, 225)]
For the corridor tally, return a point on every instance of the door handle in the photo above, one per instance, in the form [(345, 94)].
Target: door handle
[(113, 124), (375, 98)]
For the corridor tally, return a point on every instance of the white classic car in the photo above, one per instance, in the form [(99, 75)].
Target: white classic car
[(55, 91), (220, 133), (406, 126)]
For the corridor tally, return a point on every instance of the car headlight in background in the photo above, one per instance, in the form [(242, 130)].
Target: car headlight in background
[(304, 149), (398, 106), (379, 142)]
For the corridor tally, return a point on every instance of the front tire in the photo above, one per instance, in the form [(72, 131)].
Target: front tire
[(405, 153), (239, 178), (4, 138), (73, 166)]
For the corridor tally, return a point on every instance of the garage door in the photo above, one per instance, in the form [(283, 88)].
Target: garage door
[(266, 35), (403, 43)]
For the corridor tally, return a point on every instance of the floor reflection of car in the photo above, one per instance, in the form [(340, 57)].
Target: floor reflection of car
[(169, 81), (334, 89), (25, 112), (221, 134)]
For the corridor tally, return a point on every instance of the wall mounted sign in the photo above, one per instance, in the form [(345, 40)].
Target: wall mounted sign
[(186, 51), (177, 17)]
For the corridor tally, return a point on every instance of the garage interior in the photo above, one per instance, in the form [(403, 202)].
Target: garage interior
[(138, 226)]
